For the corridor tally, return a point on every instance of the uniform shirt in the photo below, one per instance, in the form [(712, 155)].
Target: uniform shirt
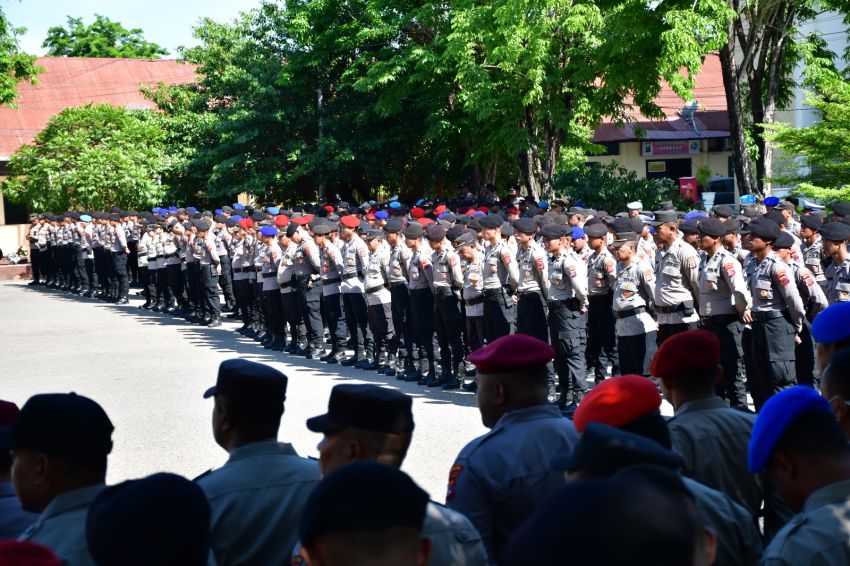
[(771, 289), (307, 260), (738, 539), (722, 289), (713, 440), (418, 268), (142, 250), (205, 250), (222, 238), (61, 527), (646, 250), (170, 247), (13, 519), (601, 273), (533, 270), (455, 539), (473, 285), (399, 260), (677, 281), (355, 257), (818, 534), (813, 258), (286, 268), (376, 278), (96, 235), (567, 277), (257, 499), (119, 239), (243, 256), (500, 268), (332, 269), (446, 270), (32, 236), (838, 282), (499, 478), (812, 295), (634, 288)]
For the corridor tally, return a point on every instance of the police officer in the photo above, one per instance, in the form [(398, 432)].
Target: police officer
[(398, 276), (567, 313), (835, 236), (724, 302), (332, 269), (812, 248), (634, 293), (378, 302), (501, 278), (421, 301), (676, 278), (293, 315), (355, 257), (120, 251), (601, 273), (242, 246), (308, 284), (777, 316), (222, 243), (466, 245), (204, 249), (499, 478), (446, 281), (532, 289)]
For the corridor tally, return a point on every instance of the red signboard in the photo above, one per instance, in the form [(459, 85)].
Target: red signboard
[(673, 147), (688, 188)]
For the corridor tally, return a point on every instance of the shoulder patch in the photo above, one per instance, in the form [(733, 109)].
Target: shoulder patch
[(538, 263), (782, 277), (609, 265), (454, 473), (648, 274), (692, 262), (729, 268), (506, 257), (807, 278), (452, 260)]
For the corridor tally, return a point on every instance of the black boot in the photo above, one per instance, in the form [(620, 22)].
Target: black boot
[(377, 359), (391, 368), (215, 322), (352, 361), (453, 382), (426, 369), (410, 372)]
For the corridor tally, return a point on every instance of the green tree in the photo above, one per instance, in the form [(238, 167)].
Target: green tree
[(15, 66), (825, 145), (103, 38), (91, 157)]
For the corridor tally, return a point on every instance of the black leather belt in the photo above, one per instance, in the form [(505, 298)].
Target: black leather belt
[(398, 284), (768, 315), (629, 312), (333, 281), (285, 285), (258, 269), (169, 256), (375, 289), (423, 291), (269, 274), (669, 310), (348, 276), (443, 291), (572, 303), (529, 293), (473, 301)]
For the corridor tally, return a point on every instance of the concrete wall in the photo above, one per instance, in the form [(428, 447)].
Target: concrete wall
[(630, 158), (13, 236)]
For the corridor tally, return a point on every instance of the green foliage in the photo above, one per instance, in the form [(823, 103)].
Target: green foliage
[(91, 158), (825, 145), (102, 38), (610, 187), (703, 175), (15, 66)]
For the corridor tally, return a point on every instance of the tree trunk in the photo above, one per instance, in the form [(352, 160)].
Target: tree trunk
[(740, 156)]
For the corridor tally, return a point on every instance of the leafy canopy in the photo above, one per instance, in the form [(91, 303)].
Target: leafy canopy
[(15, 66), (92, 157), (103, 38)]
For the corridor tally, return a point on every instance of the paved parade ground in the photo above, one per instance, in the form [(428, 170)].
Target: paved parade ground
[(149, 372)]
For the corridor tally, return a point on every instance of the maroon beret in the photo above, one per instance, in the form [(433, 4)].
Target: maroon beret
[(26, 553), (512, 352), (8, 413), (686, 353)]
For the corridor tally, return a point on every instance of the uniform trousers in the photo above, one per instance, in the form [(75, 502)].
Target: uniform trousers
[(35, 264), (665, 331), (499, 314), (474, 332), (636, 352), (804, 364), (772, 356), (568, 329), (119, 272), (401, 318), (422, 319), (144, 281), (163, 289), (380, 318), (309, 295), (225, 280), (356, 318), (133, 259), (601, 336), (175, 282), (728, 329), (194, 285), (100, 266), (531, 315), (212, 306), (243, 290), (273, 307), (80, 277), (293, 316), (333, 314), (448, 324)]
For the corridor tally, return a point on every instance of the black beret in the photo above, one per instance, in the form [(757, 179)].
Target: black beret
[(258, 216), (491, 221), (322, 230), (507, 230), (774, 216), (621, 224), (835, 231), (475, 225), (367, 407), (203, 225), (784, 241), (393, 226), (712, 227), (247, 383), (664, 216), (554, 231), (811, 222), (622, 237), (413, 230), (373, 233), (455, 231), (166, 508), (113, 217), (465, 238), (597, 230), (731, 225), (220, 218), (435, 233), (723, 210), (690, 226), (171, 225), (525, 225), (291, 228), (764, 229), (362, 496), (841, 208)]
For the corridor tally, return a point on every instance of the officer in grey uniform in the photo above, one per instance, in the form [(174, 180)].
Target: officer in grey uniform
[(446, 281), (242, 246), (532, 289), (676, 278), (724, 302), (567, 313), (258, 496), (777, 313), (308, 283), (835, 236), (601, 274), (355, 257), (292, 314), (812, 248), (500, 478), (332, 269), (378, 303), (119, 260), (203, 246), (634, 293), (501, 278), (466, 245), (421, 301), (222, 243), (397, 274)]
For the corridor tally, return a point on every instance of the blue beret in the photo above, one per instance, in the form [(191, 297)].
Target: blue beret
[(382, 215), (420, 201), (395, 204), (542, 204), (156, 210), (238, 206), (172, 209), (273, 210), (268, 231), (85, 218), (218, 211), (393, 198), (830, 325), (694, 214), (578, 232), (373, 202), (771, 201), (191, 210), (777, 414)]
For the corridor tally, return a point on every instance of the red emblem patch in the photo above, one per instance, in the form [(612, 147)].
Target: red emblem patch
[(729, 268), (807, 278), (454, 473), (538, 263), (782, 277), (506, 258), (452, 260), (609, 265)]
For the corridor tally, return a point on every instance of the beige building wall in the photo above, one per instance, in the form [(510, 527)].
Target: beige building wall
[(630, 158)]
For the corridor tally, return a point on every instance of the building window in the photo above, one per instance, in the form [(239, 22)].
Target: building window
[(716, 145)]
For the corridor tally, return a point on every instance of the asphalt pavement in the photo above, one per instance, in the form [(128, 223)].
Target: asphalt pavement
[(149, 372)]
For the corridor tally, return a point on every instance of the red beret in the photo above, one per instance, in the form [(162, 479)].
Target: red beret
[(246, 223), (350, 221), (25, 553), (440, 209), (618, 401), (484, 209), (281, 220), (329, 208), (470, 212), (370, 216), (417, 212), (303, 220), (425, 221), (513, 210), (511, 352), (8, 413), (685, 353)]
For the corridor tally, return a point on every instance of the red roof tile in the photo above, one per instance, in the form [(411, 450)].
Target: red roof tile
[(69, 82)]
